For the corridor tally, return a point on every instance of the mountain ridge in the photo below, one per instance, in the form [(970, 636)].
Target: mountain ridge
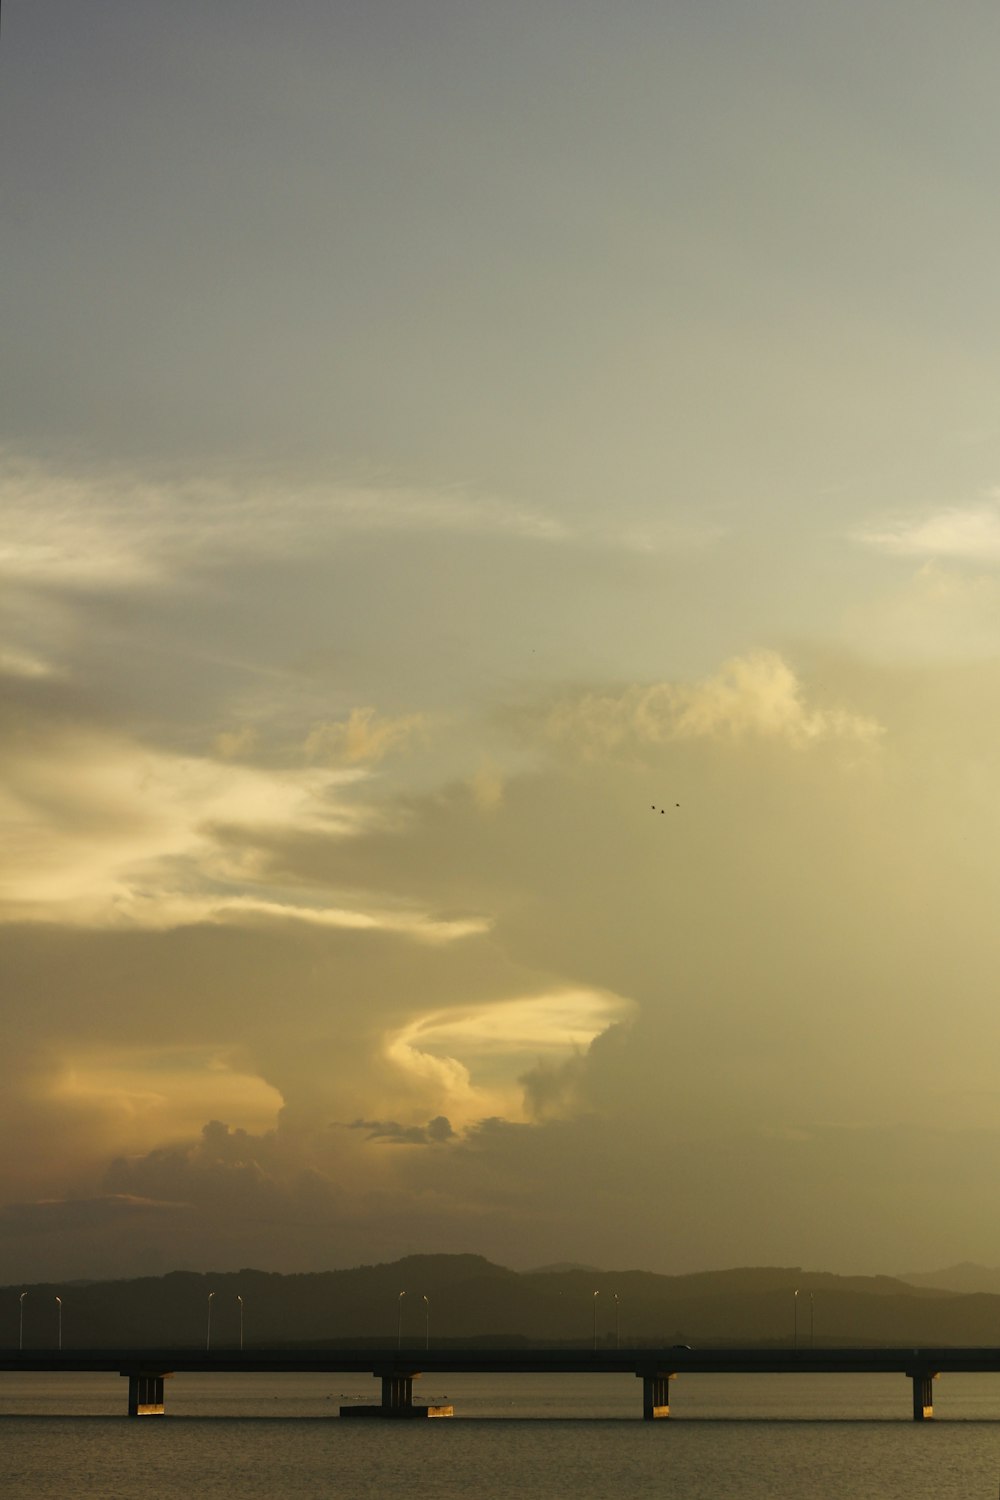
[(465, 1299)]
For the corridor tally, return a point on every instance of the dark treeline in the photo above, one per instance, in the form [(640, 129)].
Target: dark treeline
[(466, 1299)]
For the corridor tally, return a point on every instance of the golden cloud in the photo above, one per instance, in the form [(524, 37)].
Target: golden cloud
[(469, 1061), (757, 696), (362, 738)]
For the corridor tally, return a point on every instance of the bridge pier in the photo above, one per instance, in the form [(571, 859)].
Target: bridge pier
[(397, 1399), (922, 1382), (397, 1396), (655, 1396), (145, 1394)]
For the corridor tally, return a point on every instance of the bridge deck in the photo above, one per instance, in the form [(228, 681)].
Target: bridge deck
[(512, 1361), (146, 1369)]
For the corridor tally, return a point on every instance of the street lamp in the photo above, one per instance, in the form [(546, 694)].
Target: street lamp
[(20, 1321), (399, 1320), (594, 1300), (795, 1323), (240, 1301), (59, 1316), (618, 1342), (208, 1333), (427, 1322)]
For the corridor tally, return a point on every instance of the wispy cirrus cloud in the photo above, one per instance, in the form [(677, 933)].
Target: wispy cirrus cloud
[(122, 529), (126, 529), (961, 532), (164, 909), (103, 831), (97, 822), (25, 665)]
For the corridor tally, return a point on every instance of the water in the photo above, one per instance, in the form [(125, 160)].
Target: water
[(261, 1437)]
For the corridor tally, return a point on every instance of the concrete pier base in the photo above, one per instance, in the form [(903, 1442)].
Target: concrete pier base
[(656, 1396), (380, 1413), (397, 1400), (145, 1394)]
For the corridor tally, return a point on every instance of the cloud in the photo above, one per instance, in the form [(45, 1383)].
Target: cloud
[(943, 612), (162, 909), (363, 737), (104, 831), (57, 1216), (222, 1170), (754, 697), (15, 663), (434, 1133), (122, 529), (964, 533), (115, 530), (232, 743), (487, 787), (474, 1054), (149, 1094), (60, 529), (561, 1088), (615, 1003)]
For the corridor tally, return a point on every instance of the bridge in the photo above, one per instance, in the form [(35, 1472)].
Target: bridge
[(147, 1369)]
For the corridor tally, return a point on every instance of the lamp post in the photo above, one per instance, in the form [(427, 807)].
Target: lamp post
[(594, 1300), (795, 1319), (618, 1342), (812, 1328), (208, 1331), (240, 1301), (399, 1320), (20, 1321), (427, 1322), (59, 1318)]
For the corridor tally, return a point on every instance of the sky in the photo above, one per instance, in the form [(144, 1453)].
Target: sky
[(499, 634)]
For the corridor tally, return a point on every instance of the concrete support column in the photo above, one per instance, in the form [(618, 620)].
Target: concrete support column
[(655, 1396), (145, 1395), (923, 1394), (397, 1395)]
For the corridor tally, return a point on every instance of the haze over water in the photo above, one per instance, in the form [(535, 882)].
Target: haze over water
[(760, 1439)]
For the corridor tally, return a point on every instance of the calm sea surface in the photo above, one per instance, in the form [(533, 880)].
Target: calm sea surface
[(778, 1437)]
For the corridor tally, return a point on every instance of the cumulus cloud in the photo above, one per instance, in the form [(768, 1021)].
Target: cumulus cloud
[(752, 697), (612, 992), (474, 1054), (224, 1167)]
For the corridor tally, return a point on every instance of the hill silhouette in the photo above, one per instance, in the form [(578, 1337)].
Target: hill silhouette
[(469, 1300), (964, 1277)]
